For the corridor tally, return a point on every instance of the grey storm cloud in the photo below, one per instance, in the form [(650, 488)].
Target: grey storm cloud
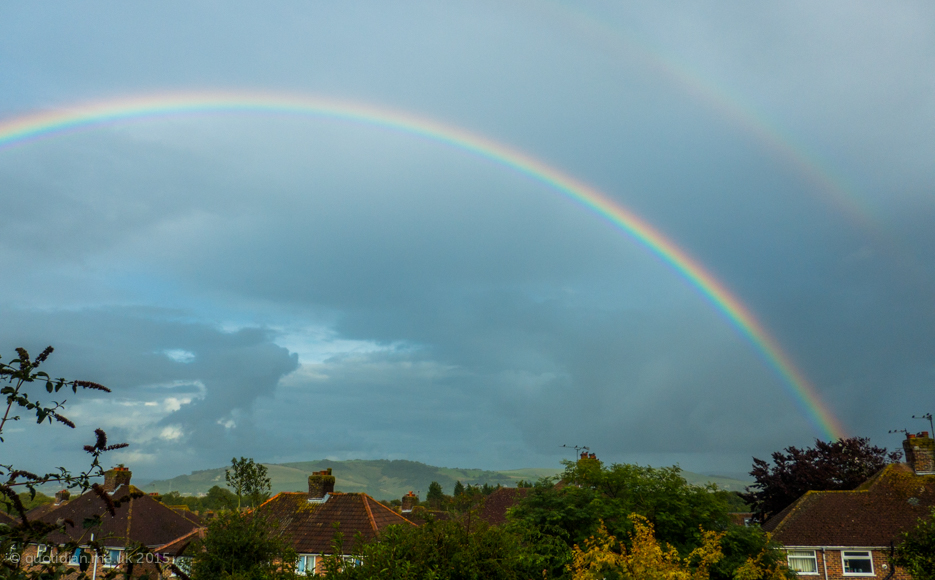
[(149, 355), (293, 288)]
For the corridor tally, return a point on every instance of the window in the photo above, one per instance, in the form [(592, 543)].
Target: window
[(857, 563), (803, 561), (306, 565), (111, 557), (80, 556)]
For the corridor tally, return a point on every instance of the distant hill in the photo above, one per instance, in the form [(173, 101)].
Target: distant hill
[(385, 479)]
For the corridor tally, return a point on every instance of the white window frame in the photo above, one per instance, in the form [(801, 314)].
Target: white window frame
[(304, 560), (106, 561), (43, 554), (867, 553), (802, 555)]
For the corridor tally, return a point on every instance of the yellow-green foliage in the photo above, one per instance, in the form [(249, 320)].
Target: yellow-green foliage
[(762, 567), (605, 557)]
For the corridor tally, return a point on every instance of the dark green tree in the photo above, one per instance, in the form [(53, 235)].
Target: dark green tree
[(459, 488), (441, 550), (219, 498), (916, 552), (435, 496), (242, 546), (249, 480)]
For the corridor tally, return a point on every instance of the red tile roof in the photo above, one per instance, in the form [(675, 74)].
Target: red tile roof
[(309, 526), (138, 518), (875, 514)]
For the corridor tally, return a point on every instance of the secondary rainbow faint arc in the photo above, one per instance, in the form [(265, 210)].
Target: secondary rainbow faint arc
[(838, 192), (26, 128)]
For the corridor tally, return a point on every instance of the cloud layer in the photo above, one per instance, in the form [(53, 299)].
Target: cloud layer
[(290, 288)]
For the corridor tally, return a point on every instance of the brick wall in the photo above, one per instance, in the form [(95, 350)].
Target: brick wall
[(881, 566)]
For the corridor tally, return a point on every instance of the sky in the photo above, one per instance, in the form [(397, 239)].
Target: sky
[(290, 285)]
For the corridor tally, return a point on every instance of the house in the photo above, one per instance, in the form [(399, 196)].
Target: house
[(841, 535), (61, 497), (497, 503), (137, 519), (310, 520)]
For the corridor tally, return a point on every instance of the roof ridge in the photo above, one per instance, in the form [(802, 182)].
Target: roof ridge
[(792, 510), (179, 539), (277, 495), (373, 522), (392, 511)]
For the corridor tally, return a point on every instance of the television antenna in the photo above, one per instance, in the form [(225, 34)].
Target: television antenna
[(578, 449), (929, 417)]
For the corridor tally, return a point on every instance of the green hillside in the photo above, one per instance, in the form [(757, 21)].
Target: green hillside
[(384, 479)]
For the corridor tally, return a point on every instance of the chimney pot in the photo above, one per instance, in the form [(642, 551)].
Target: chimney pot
[(920, 453), (410, 500), (320, 484), (116, 477)]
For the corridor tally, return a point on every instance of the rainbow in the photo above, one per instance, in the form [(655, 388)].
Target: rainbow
[(27, 128), (835, 188)]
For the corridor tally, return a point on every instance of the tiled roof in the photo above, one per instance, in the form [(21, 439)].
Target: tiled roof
[(309, 526), (188, 515), (496, 504), (6, 519), (141, 518), (40, 510), (875, 514), (178, 546)]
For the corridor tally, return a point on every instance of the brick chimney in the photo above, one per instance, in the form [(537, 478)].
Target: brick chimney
[(62, 496), (584, 455), (116, 477), (920, 452), (409, 500), (320, 485)]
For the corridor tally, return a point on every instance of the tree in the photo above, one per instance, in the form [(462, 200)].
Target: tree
[(242, 546), (435, 496), (248, 479), (459, 488), (841, 465), (916, 553), (441, 550), (558, 518), (645, 558), (218, 498), (28, 500)]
